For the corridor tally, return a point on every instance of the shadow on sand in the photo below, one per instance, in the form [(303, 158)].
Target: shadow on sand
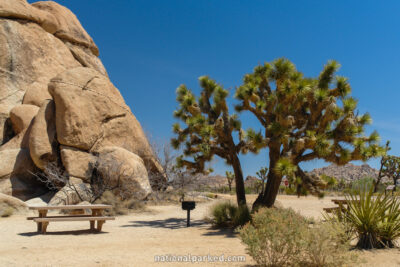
[(179, 223), (213, 231), (73, 232), (171, 223)]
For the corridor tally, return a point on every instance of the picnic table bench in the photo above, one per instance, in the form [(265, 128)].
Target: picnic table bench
[(96, 215), (341, 206)]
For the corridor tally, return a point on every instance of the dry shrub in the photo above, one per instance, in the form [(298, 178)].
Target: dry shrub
[(282, 237), (120, 206), (327, 245), (226, 214)]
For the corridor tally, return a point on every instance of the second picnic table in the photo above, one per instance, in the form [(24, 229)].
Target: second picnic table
[(96, 215), (342, 203)]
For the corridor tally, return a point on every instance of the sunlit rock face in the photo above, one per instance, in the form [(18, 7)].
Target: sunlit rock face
[(57, 103)]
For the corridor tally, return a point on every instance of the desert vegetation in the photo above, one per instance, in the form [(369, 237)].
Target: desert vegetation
[(374, 219), (304, 119), (282, 237)]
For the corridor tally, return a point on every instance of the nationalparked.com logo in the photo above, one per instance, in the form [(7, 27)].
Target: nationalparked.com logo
[(199, 258)]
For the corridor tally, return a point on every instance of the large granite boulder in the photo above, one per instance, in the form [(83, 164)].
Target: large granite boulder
[(20, 9), (68, 26), (57, 105), (92, 114), (16, 205), (21, 117), (29, 57), (78, 163), (42, 139), (125, 171), (17, 175)]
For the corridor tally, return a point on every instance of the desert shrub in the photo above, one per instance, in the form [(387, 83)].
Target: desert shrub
[(327, 244), (7, 211), (119, 206), (282, 237), (362, 184), (274, 237), (290, 191), (241, 216), (222, 214), (226, 214), (375, 219)]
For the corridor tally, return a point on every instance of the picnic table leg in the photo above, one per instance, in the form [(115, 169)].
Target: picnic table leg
[(95, 212), (42, 213), (100, 225), (44, 227), (92, 225)]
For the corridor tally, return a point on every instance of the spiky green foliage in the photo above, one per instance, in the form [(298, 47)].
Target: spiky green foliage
[(329, 180), (230, 177), (381, 173), (375, 219), (226, 214), (262, 173), (391, 168), (306, 118), (209, 130)]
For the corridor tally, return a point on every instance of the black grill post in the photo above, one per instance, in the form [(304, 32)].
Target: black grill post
[(188, 206)]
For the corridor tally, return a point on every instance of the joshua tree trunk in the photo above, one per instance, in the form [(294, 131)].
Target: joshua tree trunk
[(395, 178), (378, 179), (237, 169), (268, 196)]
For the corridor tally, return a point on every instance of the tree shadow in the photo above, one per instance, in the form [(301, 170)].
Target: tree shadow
[(171, 223), (227, 232), (73, 232), (179, 223)]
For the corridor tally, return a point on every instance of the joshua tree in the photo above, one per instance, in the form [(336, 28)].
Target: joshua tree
[(262, 174), (229, 177), (381, 173), (391, 168), (330, 181), (210, 130), (304, 119)]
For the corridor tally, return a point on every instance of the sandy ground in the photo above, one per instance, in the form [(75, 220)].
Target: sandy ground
[(135, 239)]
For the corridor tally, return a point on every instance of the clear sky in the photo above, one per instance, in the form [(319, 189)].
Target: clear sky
[(151, 47)]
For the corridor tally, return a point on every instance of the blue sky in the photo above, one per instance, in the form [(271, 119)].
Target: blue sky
[(151, 47)]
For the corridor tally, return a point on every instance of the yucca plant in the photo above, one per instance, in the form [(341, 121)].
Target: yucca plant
[(390, 228), (375, 219)]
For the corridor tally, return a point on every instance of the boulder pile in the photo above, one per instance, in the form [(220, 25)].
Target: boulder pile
[(57, 104)]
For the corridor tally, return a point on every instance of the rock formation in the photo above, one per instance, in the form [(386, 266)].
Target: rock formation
[(348, 172), (57, 104)]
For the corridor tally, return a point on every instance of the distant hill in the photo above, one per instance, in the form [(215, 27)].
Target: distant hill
[(214, 181), (349, 172)]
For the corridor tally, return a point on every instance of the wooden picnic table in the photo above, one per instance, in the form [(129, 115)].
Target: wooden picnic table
[(341, 206), (342, 201), (96, 215)]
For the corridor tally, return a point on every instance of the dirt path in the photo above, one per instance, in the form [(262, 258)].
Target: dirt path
[(132, 240), (135, 239)]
